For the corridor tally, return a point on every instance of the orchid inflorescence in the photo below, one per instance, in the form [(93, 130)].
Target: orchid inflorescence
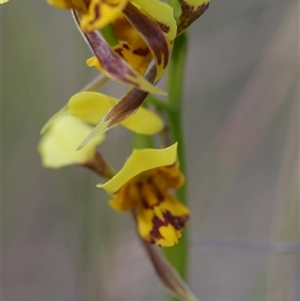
[(145, 32)]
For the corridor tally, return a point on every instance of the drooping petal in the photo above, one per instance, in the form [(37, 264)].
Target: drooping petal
[(191, 11), (167, 275), (140, 161), (101, 13), (152, 35), (112, 65), (58, 145)]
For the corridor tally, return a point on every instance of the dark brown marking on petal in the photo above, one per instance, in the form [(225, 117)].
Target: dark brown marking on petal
[(142, 51), (151, 32), (163, 27), (109, 60), (157, 223), (119, 51), (178, 222), (129, 103), (189, 15), (97, 13), (126, 46)]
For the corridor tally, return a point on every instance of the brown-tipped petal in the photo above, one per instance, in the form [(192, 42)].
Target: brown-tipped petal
[(167, 275), (152, 35), (124, 108), (112, 65), (191, 11)]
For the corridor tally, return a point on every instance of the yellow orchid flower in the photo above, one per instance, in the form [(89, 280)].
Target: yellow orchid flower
[(3, 1), (142, 186)]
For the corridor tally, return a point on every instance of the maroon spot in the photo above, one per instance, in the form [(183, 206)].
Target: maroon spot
[(141, 51), (178, 222), (163, 27), (119, 51), (126, 46)]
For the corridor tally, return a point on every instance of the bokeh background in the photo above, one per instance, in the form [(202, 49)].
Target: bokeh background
[(62, 242)]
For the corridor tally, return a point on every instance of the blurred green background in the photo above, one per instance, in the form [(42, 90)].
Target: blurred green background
[(61, 241)]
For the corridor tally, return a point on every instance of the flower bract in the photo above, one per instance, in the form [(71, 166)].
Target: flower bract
[(143, 185)]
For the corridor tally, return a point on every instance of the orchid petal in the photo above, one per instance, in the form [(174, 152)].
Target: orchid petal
[(79, 5), (91, 107), (191, 11), (162, 13), (58, 146), (57, 115), (152, 35), (140, 161), (101, 13)]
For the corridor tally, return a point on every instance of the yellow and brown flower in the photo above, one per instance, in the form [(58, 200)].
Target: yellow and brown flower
[(142, 186)]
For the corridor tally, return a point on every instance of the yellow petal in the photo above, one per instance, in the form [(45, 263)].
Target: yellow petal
[(56, 116), (162, 13), (170, 236), (91, 107), (101, 13), (140, 161), (144, 222), (58, 146), (125, 198), (175, 207), (3, 1), (144, 122), (79, 5)]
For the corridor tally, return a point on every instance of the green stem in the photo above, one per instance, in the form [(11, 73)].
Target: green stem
[(142, 141), (159, 104), (178, 255)]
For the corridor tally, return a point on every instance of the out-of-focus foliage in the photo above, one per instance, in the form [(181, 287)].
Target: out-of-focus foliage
[(61, 241)]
